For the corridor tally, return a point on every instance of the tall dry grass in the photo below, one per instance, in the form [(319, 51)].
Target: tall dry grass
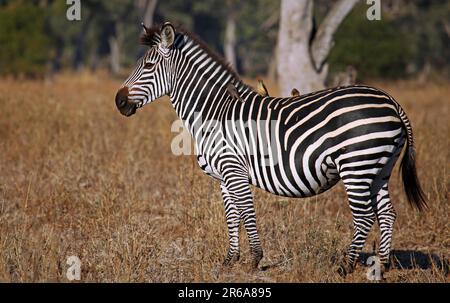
[(77, 178)]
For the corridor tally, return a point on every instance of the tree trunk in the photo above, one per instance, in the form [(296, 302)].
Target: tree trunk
[(295, 68), (272, 75), (94, 59), (115, 43), (148, 7), (78, 58), (302, 54), (230, 40)]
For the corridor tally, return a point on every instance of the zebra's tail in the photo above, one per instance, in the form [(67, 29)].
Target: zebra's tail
[(411, 184)]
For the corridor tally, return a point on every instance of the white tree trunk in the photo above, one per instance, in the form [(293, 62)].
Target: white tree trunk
[(230, 41), (302, 57), (115, 45), (295, 68), (148, 7), (323, 40)]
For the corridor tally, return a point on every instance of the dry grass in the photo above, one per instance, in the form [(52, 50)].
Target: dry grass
[(77, 178)]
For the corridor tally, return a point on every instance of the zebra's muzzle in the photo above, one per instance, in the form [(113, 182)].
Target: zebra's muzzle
[(125, 107)]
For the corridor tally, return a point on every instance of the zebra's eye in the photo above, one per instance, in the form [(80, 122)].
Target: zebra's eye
[(148, 65)]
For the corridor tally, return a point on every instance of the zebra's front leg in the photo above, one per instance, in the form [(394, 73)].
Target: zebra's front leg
[(233, 222), (238, 188), (248, 214)]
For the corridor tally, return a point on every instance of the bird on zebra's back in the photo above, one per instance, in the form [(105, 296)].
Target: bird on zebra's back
[(292, 147), (232, 90), (261, 89), (295, 92)]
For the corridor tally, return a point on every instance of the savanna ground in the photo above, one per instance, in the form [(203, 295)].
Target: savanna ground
[(77, 178)]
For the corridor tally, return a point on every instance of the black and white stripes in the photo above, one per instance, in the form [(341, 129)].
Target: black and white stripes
[(296, 147)]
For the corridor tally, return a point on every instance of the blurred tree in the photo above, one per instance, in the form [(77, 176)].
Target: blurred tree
[(80, 41), (411, 39), (253, 37), (204, 18), (76, 41), (25, 48), (232, 7), (373, 48), (257, 30), (148, 8), (302, 50), (117, 10), (429, 32)]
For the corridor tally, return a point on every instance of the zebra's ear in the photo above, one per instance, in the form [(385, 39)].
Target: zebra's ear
[(167, 35), (146, 29)]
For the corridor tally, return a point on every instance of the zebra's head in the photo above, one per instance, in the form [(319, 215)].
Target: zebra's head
[(153, 75)]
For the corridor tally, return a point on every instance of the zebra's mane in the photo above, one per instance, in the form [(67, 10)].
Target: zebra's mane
[(152, 36)]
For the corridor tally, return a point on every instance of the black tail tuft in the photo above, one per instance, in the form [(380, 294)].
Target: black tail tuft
[(411, 184)]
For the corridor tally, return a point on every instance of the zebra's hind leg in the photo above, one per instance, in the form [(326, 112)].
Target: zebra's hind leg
[(363, 219), (383, 207), (386, 217), (233, 222)]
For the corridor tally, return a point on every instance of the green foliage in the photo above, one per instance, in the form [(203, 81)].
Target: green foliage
[(430, 39), (25, 48), (375, 48), (257, 37), (399, 45)]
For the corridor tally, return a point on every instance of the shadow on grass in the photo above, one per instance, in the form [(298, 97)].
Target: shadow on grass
[(410, 259)]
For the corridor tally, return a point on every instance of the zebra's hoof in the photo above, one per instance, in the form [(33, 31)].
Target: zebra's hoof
[(256, 258), (385, 268), (344, 269), (231, 259)]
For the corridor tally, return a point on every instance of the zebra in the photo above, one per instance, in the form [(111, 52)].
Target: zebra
[(353, 133)]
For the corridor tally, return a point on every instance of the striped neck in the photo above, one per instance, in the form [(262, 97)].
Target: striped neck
[(200, 83)]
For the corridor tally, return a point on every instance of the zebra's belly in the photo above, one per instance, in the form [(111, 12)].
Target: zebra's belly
[(284, 193), (287, 182)]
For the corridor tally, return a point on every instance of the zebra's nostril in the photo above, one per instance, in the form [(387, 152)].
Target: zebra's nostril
[(125, 107), (122, 97), (122, 101)]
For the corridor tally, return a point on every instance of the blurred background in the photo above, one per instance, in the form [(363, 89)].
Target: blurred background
[(36, 40)]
